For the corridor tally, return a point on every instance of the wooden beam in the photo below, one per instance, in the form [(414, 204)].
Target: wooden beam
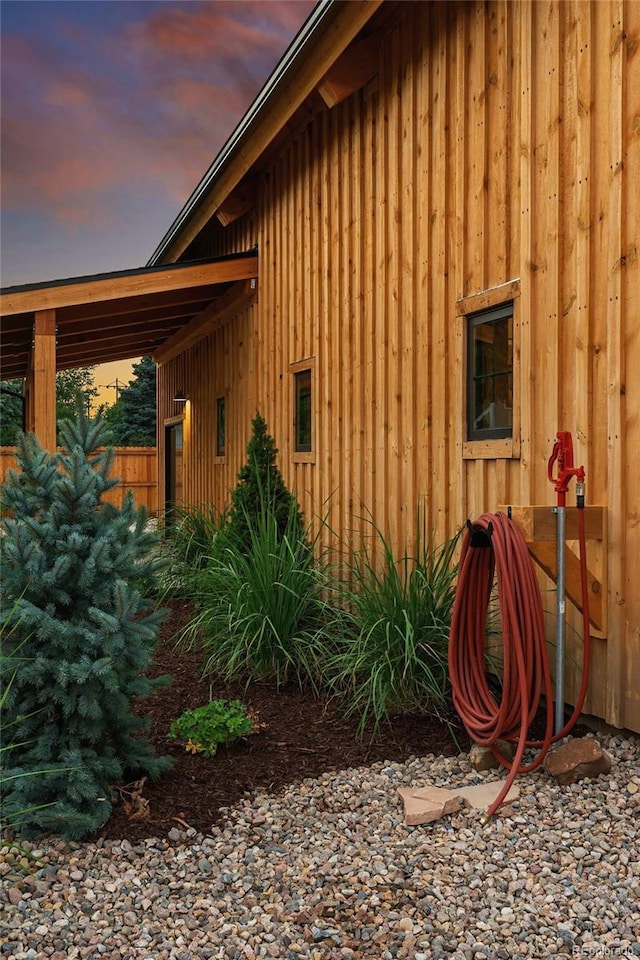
[(233, 301), (76, 354), (134, 284), (290, 96), (356, 67), (161, 327), (539, 523), (544, 553), (239, 202), (41, 380), (138, 307)]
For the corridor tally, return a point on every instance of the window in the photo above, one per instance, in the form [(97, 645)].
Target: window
[(303, 438), (490, 373), (221, 426)]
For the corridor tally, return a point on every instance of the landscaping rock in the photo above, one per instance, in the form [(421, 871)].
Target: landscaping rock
[(326, 869), (577, 760), (480, 796), (482, 758), (426, 804)]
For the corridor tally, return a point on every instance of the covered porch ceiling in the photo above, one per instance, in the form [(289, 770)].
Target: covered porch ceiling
[(115, 316)]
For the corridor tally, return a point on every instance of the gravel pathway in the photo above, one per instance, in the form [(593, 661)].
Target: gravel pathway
[(328, 870)]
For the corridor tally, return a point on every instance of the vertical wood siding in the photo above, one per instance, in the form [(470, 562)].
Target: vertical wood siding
[(499, 141)]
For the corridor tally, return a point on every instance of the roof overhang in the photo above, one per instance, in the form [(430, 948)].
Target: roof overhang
[(116, 316), (320, 43)]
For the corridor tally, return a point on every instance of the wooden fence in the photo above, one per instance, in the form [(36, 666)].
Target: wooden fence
[(137, 468)]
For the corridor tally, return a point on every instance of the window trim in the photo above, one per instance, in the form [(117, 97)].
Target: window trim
[(301, 366), (503, 448)]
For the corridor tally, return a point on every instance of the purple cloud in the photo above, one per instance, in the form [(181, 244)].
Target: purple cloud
[(134, 101)]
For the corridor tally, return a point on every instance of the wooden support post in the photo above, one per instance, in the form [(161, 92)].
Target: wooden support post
[(41, 380)]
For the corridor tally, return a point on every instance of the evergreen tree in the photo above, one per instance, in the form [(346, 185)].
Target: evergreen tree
[(261, 487), (132, 420), (79, 634), (11, 412)]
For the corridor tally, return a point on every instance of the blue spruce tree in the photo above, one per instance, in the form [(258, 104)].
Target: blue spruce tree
[(79, 634)]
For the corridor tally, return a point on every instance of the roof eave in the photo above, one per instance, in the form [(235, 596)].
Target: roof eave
[(235, 158)]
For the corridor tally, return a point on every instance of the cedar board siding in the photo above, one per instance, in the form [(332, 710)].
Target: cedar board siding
[(497, 143), (137, 468)]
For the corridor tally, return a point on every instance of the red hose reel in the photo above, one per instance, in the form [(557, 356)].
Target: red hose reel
[(494, 549)]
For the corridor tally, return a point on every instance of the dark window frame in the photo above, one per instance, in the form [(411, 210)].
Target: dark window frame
[(303, 380), (502, 311), (221, 427)]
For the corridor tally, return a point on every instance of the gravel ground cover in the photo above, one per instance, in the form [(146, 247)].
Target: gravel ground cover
[(326, 869)]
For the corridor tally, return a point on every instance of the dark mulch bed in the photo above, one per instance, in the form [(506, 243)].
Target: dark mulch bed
[(303, 737)]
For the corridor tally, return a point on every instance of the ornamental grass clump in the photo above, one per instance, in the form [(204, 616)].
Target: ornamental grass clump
[(263, 614), (76, 575), (394, 656), (261, 595), (189, 542)]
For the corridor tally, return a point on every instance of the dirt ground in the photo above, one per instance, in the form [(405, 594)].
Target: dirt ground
[(302, 736)]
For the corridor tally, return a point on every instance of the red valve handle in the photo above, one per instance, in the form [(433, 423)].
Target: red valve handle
[(562, 453)]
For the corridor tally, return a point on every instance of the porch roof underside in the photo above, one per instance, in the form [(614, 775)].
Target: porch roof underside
[(116, 316)]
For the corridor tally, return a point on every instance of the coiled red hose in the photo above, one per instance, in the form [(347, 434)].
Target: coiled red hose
[(495, 547)]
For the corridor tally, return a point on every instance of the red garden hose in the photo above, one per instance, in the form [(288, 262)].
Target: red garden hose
[(495, 545)]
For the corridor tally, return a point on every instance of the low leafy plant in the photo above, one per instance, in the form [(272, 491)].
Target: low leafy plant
[(218, 722), (263, 610), (394, 656)]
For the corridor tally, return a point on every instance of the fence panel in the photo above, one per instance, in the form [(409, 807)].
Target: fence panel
[(137, 468)]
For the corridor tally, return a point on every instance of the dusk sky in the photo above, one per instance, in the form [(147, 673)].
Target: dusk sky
[(112, 110)]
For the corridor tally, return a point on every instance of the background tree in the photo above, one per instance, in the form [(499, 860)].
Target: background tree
[(75, 391), (11, 413), (80, 632), (132, 419)]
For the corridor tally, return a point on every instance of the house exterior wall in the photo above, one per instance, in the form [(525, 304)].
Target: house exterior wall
[(496, 146)]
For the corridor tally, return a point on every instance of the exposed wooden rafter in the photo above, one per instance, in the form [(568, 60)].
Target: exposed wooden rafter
[(239, 202), (231, 303), (351, 71)]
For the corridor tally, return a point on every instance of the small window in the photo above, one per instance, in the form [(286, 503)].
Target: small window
[(490, 373), (303, 411), (221, 426)]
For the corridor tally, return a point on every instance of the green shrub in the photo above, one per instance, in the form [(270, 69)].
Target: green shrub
[(263, 613), (260, 485), (218, 722), (74, 571), (394, 656)]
